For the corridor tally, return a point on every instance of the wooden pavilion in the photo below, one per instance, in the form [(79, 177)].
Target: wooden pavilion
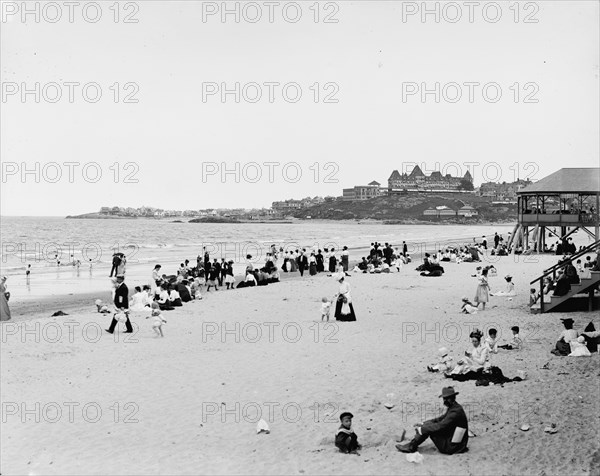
[(560, 204)]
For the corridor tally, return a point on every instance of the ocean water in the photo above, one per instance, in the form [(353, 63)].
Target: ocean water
[(146, 242)]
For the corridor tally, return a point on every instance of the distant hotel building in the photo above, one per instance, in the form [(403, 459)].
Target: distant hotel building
[(364, 192), (290, 205), (417, 181)]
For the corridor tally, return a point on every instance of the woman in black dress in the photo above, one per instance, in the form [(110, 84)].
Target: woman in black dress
[(332, 261), (344, 311)]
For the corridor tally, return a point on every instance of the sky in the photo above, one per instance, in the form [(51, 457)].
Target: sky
[(330, 95)]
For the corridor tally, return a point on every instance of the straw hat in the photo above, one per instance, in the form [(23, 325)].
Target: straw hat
[(448, 392)]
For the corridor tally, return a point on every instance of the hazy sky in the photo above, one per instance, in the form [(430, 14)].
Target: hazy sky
[(375, 61)]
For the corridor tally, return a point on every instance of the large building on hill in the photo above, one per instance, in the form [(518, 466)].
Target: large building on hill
[(364, 192), (417, 181)]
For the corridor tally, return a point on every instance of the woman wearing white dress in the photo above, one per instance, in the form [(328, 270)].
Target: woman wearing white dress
[(476, 359), (175, 298), (122, 265), (155, 279), (138, 300)]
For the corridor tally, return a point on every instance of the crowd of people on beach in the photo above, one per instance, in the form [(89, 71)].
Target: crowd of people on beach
[(449, 432), (167, 292)]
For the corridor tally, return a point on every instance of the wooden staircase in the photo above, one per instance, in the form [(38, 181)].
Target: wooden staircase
[(586, 285)]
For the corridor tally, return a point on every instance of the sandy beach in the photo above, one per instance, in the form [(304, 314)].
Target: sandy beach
[(189, 403)]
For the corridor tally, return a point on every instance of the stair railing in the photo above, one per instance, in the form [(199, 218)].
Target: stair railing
[(560, 265)]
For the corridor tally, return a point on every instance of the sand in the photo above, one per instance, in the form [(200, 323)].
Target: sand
[(188, 403)]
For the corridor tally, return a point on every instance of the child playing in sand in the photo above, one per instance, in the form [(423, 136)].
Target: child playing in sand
[(579, 348), (345, 438), (533, 296), (491, 341), (325, 308), (516, 343), (101, 307), (467, 306), (510, 288), (445, 363), (159, 320)]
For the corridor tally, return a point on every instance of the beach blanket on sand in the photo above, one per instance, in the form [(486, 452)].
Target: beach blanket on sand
[(494, 376)]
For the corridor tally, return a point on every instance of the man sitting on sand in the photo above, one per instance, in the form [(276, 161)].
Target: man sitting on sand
[(449, 432)]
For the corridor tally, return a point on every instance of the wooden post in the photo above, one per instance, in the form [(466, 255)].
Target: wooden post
[(542, 295)]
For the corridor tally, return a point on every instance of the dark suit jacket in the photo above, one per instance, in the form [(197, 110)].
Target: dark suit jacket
[(441, 429), (122, 297)]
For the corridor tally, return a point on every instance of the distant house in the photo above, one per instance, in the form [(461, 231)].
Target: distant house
[(505, 192), (439, 212), (287, 205), (105, 210), (467, 211), (446, 212)]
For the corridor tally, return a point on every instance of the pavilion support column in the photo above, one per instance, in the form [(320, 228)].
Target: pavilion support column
[(543, 238), (597, 217)]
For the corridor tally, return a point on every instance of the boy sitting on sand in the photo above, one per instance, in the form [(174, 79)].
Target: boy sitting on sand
[(345, 438), (445, 363), (491, 341), (516, 343)]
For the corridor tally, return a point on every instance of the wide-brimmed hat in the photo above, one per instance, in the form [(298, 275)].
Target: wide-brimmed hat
[(448, 392), (567, 319), (442, 351)]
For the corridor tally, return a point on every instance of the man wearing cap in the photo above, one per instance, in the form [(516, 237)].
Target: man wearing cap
[(449, 432), (122, 304)]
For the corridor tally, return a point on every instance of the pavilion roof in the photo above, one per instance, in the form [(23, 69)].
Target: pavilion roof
[(568, 180)]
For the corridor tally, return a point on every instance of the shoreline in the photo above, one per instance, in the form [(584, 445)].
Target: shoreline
[(294, 220), (84, 301)]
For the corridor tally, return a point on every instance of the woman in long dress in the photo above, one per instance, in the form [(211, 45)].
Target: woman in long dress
[(345, 258), (332, 261), (155, 280), (344, 311), (122, 265), (312, 264), (482, 295), (4, 309)]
